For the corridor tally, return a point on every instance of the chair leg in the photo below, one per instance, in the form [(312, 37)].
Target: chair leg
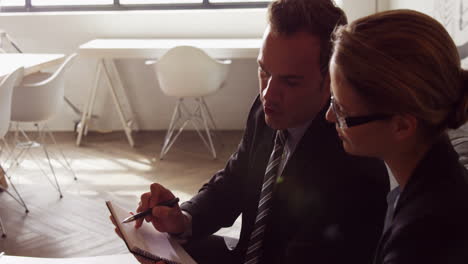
[(170, 139), (9, 151), (176, 115), (18, 197), (26, 150), (214, 128), (2, 228), (18, 159), (194, 117), (44, 148), (207, 109), (207, 129), (65, 159), (182, 113), (3, 181), (15, 142)]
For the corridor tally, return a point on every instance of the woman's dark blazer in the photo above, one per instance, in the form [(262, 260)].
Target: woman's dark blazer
[(430, 221)]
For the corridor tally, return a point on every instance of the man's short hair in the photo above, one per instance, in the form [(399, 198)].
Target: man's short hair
[(317, 17)]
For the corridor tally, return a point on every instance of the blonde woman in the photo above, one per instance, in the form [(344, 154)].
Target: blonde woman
[(397, 86)]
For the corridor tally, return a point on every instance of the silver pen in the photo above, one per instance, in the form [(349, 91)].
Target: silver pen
[(169, 203)]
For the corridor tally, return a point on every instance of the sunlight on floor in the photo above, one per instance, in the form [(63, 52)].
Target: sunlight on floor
[(106, 170)]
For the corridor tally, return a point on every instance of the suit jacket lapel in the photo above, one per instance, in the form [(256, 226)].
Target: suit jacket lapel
[(316, 136)]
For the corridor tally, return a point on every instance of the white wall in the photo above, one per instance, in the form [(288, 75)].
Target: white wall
[(447, 12), (425, 6), (382, 5), (357, 8), (64, 32)]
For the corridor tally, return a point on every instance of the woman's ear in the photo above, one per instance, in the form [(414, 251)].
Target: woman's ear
[(404, 126)]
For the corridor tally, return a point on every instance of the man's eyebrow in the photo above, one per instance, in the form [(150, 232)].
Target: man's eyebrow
[(292, 76), (285, 76)]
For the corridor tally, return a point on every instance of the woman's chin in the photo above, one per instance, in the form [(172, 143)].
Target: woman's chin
[(350, 150), (347, 147), (357, 152)]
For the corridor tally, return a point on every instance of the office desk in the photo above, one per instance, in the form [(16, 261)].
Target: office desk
[(31, 62), (121, 259), (155, 48), (106, 50)]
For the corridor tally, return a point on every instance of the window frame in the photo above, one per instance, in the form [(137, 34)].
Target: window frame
[(116, 6)]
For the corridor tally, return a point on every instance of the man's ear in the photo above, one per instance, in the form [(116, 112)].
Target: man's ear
[(404, 126)]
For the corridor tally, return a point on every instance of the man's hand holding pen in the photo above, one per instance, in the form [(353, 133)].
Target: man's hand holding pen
[(166, 215), (164, 218)]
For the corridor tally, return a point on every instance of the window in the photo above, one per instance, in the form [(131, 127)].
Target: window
[(70, 2), (236, 1), (130, 2), (12, 3), (93, 5)]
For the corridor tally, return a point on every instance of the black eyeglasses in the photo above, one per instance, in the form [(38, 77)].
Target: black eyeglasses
[(350, 121)]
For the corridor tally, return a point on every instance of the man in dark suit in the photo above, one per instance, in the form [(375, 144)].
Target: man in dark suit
[(301, 197)]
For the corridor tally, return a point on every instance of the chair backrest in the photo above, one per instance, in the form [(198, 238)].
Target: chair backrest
[(187, 71), (6, 92), (43, 96)]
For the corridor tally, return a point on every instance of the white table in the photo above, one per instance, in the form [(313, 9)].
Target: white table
[(120, 259), (31, 62), (106, 50), (155, 48)]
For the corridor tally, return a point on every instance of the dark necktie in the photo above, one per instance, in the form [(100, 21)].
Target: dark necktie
[(254, 251)]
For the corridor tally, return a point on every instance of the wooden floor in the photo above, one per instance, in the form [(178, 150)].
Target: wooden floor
[(107, 168)]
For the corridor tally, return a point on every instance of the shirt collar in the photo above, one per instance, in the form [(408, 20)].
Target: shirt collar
[(295, 134)]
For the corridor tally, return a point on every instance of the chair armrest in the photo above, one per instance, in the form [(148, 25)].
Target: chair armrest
[(225, 61), (150, 62)]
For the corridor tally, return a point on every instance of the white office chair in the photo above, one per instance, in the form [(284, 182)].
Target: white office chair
[(6, 91), (188, 72), (37, 99), (7, 43)]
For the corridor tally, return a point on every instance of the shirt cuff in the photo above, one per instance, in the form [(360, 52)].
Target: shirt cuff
[(183, 237)]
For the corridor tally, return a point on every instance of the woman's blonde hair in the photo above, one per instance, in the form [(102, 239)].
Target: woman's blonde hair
[(403, 61)]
